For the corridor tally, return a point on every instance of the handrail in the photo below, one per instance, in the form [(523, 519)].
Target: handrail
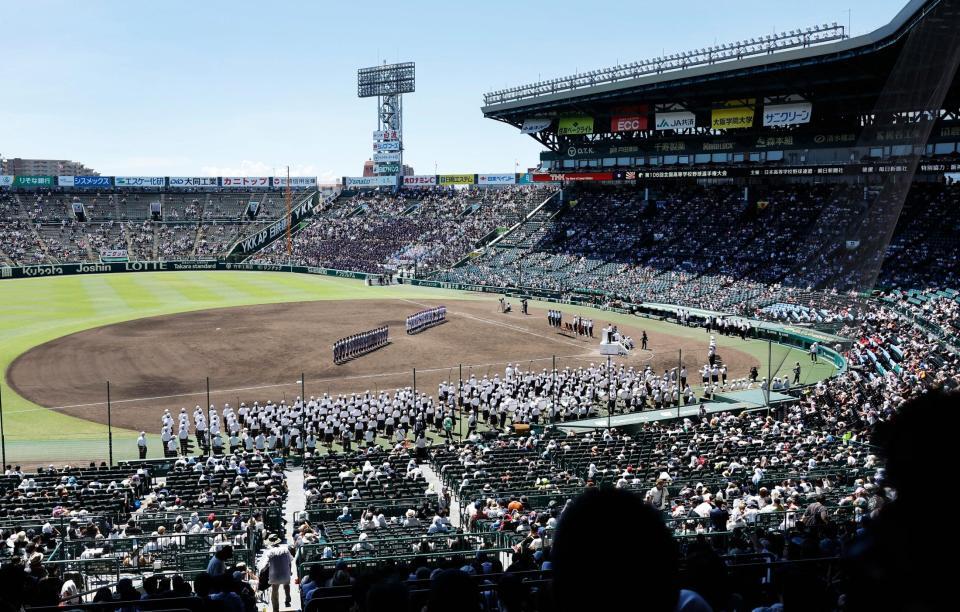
[(403, 558)]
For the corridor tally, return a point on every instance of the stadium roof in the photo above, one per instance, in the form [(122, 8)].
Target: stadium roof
[(849, 72)]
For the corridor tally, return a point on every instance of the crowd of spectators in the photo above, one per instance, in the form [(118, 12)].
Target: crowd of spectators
[(787, 494), (817, 503), (42, 228), (379, 232), (710, 248)]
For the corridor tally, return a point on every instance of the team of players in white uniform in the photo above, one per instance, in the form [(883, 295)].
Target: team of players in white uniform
[(424, 319), (404, 416), (520, 396), (358, 344), (347, 348)]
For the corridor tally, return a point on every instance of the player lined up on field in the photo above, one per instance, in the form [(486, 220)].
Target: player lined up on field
[(358, 344), (420, 321)]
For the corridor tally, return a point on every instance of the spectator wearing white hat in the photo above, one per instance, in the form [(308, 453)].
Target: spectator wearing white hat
[(276, 560), (658, 496)]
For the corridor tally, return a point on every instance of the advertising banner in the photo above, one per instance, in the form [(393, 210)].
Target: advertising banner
[(676, 121), (534, 125), (278, 228), (628, 123), (794, 113), (386, 157), (588, 176), (734, 118), (296, 182), (92, 181), (112, 255), (367, 182), (6, 180), (386, 168), (83, 181), (140, 181), (420, 180), (456, 179), (573, 126), (185, 182), (572, 176), (681, 174), (386, 135), (238, 182), (390, 145), (934, 167), (33, 181), (496, 179)]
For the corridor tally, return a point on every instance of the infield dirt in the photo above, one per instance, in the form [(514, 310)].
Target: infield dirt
[(257, 353)]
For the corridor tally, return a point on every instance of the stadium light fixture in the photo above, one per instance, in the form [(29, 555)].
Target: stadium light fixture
[(386, 80)]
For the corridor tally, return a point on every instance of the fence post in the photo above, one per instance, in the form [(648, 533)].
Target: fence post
[(769, 371), (208, 443), (303, 416), (610, 400), (3, 432), (109, 425), (458, 408), (679, 390), (556, 409)]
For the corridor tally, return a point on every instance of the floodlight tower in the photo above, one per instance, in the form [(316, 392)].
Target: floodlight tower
[(387, 83)]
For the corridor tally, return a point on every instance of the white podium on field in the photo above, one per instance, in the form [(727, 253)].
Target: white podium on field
[(610, 345)]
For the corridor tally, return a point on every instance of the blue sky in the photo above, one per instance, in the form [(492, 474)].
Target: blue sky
[(240, 88)]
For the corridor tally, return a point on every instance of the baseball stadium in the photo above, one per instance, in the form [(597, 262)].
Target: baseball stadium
[(703, 355)]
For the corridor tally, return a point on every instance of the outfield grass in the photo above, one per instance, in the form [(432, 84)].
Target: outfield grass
[(34, 311)]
